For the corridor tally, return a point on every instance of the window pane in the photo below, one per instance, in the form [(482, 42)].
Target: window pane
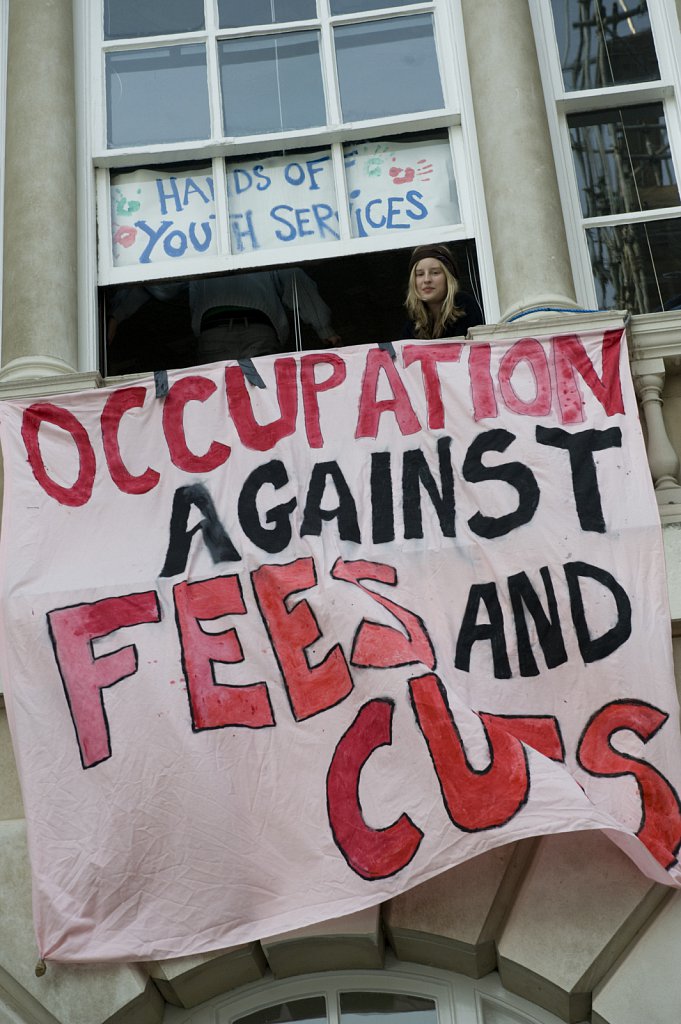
[(637, 266), (271, 83), (387, 67), (235, 13), (312, 1010), (128, 19), (162, 214), (157, 95), (278, 201), (356, 6), (396, 185), (386, 1008), (604, 44), (622, 160)]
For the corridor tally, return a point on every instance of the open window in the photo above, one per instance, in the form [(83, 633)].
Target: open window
[(365, 294), (325, 134)]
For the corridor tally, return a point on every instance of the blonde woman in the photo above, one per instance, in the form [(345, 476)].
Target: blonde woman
[(436, 307)]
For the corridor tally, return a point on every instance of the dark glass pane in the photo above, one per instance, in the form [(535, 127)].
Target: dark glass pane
[(387, 67), (236, 13), (130, 19), (637, 266), (386, 1008), (157, 95), (311, 1010), (623, 161), (604, 44), (356, 6), (271, 83)]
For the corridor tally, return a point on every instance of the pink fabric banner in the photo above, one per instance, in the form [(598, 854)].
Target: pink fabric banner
[(272, 655)]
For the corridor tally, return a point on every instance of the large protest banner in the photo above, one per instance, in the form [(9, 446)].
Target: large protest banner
[(272, 655)]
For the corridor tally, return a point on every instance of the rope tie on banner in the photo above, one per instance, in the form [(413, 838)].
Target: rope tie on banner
[(40, 969), (387, 346), (296, 315), (250, 373), (161, 383)]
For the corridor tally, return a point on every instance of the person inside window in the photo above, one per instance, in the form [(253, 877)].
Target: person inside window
[(238, 316), (436, 307)]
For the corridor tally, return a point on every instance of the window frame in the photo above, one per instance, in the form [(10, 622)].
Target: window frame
[(95, 257), (334, 134), (458, 999), (560, 103)]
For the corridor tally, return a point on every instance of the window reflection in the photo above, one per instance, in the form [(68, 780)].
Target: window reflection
[(235, 13), (602, 45), (271, 83), (157, 95), (623, 160), (386, 1008), (637, 266), (130, 19), (388, 67)]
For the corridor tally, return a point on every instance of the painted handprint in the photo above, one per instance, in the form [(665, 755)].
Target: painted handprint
[(405, 175), (122, 205)]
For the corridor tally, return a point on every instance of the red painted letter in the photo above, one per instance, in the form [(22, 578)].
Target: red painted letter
[(482, 386), (117, 404), (370, 852), (215, 705), (259, 437), (312, 387), (660, 828), (475, 799), (310, 689), (371, 409), (378, 646), (570, 356), (44, 412), (528, 350), (189, 389), (429, 356), (72, 631)]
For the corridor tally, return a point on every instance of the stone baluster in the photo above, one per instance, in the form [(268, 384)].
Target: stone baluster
[(665, 468)]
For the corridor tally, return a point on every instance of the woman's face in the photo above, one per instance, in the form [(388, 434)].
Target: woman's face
[(430, 281)]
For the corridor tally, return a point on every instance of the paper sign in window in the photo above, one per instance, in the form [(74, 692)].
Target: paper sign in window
[(162, 216), (399, 186)]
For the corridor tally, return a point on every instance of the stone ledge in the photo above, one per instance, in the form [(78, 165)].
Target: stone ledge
[(352, 942), (646, 983), (190, 980), (452, 920), (580, 887), (53, 384)]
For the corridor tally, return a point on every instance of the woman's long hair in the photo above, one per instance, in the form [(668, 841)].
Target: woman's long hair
[(425, 326)]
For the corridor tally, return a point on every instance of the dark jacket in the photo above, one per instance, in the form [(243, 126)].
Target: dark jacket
[(472, 316)]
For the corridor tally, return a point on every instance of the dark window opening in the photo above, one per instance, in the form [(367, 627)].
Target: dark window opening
[(365, 294)]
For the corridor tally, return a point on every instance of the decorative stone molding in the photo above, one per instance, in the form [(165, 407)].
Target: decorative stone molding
[(43, 375), (665, 468), (454, 920), (580, 905), (190, 980), (352, 942)]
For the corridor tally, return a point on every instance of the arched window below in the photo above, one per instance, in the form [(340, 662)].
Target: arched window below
[(399, 994)]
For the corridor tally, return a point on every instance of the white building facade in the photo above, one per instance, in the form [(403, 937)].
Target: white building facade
[(541, 140)]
